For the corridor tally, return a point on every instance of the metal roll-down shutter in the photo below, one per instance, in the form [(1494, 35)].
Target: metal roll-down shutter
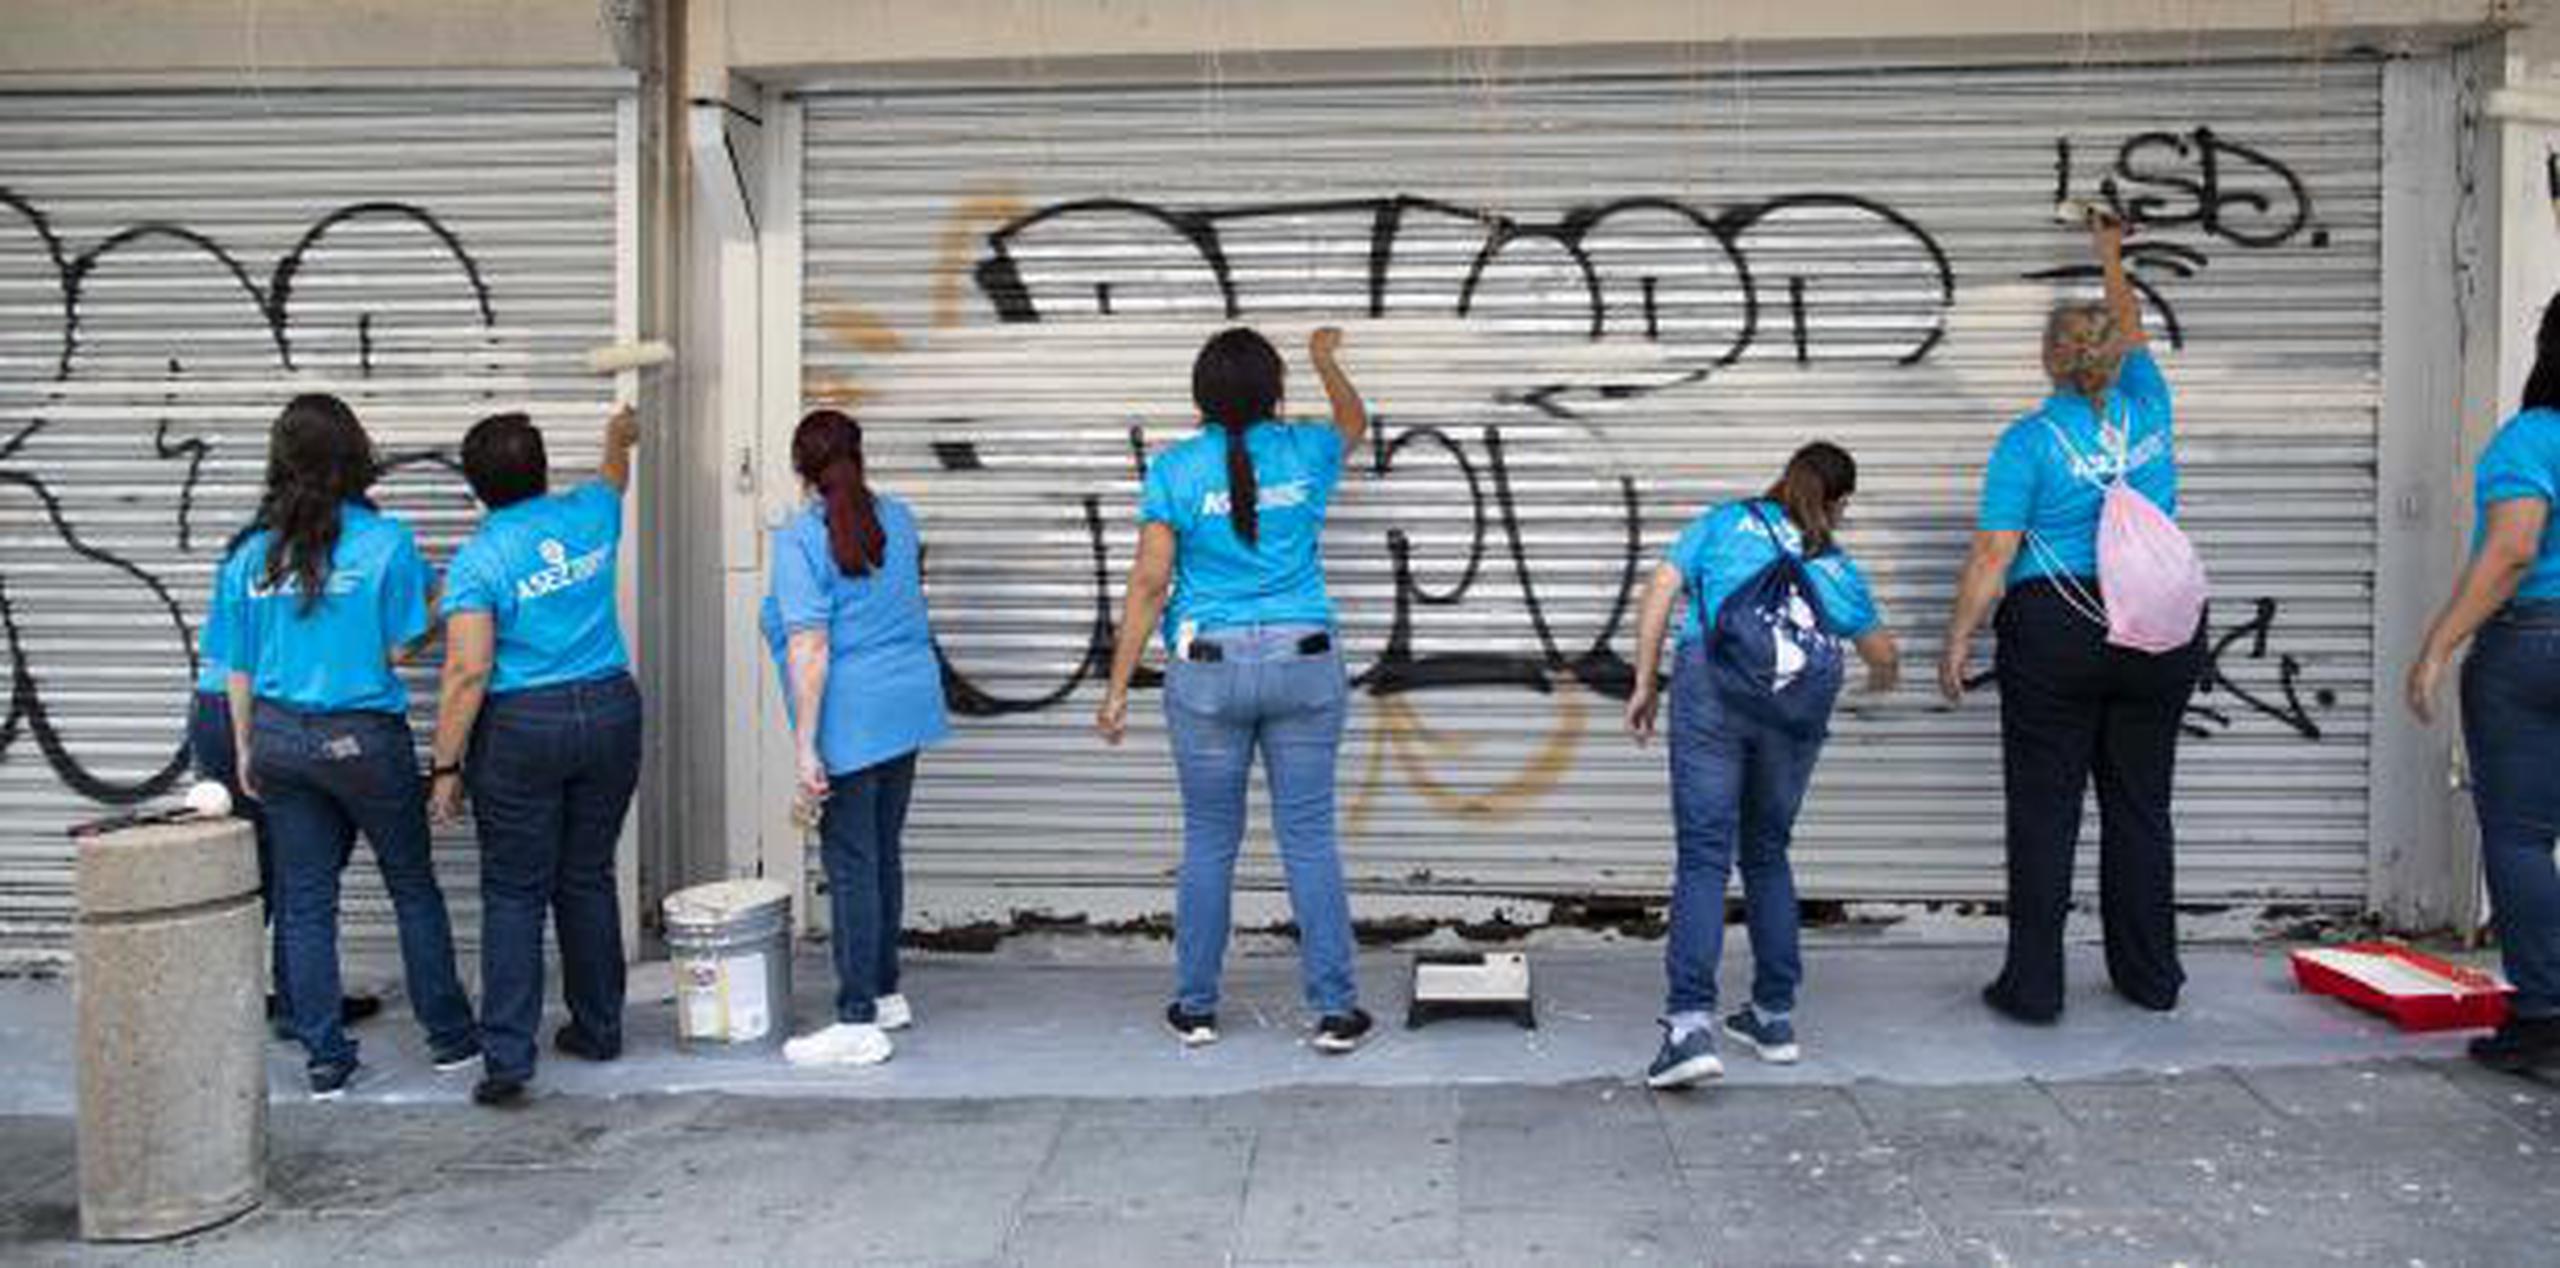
[(173, 266), (1580, 308)]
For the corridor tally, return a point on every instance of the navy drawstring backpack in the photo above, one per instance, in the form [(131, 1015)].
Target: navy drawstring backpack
[(1769, 655)]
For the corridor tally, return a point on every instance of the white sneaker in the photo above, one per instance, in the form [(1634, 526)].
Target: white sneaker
[(891, 1012), (840, 1044)]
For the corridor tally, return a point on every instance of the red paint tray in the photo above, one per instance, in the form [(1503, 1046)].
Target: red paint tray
[(2416, 991)]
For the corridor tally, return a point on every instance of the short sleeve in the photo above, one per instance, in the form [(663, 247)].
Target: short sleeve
[(1156, 502), (800, 594), (598, 504), (1322, 446), (2141, 382), (2009, 483), (1688, 551), (2514, 468), (405, 580), (1848, 605), (469, 583), (234, 633)]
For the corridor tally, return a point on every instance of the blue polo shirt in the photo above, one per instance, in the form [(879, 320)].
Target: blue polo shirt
[(2523, 461), (884, 683), (335, 657), (2048, 475), (1727, 545), (1219, 582), (543, 569)]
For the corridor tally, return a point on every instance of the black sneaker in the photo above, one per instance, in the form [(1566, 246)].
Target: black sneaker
[(2520, 1045), (331, 1081), (1339, 1033), (356, 1008), (1686, 1061), (456, 1057), (1999, 1002), (572, 1041), (1195, 1030), (497, 1091)]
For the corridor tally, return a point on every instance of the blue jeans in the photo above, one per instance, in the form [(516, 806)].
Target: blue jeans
[(2511, 725), (1263, 695), (325, 777), (551, 774), (1736, 785), (860, 832), (209, 750)]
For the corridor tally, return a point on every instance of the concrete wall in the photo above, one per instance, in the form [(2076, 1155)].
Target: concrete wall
[(245, 38)]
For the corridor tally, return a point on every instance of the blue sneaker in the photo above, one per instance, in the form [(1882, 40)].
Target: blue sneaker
[(1774, 1041), (1685, 1062)]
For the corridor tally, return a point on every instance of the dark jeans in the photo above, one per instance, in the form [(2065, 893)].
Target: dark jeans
[(325, 777), (2511, 726), (551, 774), (858, 838), (210, 750), (2073, 707), (1736, 785)]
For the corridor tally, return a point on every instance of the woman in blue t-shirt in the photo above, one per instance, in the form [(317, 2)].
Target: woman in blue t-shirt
[(1737, 777), (1231, 526), (321, 599), (865, 694), (2072, 704), (2507, 606), (539, 719)]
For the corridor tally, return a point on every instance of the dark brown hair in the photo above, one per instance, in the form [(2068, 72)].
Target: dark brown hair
[(2542, 387), (827, 452), (1236, 383), (318, 459), (1816, 478)]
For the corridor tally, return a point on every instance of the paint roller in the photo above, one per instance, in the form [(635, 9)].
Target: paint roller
[(631, 355)]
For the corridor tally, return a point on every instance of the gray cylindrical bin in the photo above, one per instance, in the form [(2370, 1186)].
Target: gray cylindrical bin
[(169, 986), (731, 944)]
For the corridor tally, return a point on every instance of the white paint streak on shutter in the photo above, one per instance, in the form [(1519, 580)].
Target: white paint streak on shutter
[(132, 425), (1838, 192)]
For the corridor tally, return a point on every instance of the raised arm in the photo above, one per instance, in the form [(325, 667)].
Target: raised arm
[(1653, 623), (1350, 416), (2106, 235), (621, 436), (1150, 584), (1986, 570), (2507, 554)]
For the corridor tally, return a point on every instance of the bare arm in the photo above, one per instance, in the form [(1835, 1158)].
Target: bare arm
[(807, 655), (1986, 571), (242, 700), (1150, 583), (1653, 624), (1883, 658), (2507, 553), (621, 435), (2107, 235), (1350, 416), (471, 640)]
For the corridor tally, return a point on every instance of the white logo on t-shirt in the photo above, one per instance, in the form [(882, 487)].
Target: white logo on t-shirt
[(1273, 497), (559, 571)]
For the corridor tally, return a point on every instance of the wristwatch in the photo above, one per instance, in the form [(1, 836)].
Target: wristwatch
[(439, 772)]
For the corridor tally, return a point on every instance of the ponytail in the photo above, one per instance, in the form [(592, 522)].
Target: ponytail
[(1816, 478), (826, 451), (1236, 383)]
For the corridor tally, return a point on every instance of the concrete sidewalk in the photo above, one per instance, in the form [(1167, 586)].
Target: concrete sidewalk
[(1031, 1024), (2370, 1163)]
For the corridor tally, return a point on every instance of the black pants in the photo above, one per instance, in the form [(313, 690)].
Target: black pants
[(2071, 707)]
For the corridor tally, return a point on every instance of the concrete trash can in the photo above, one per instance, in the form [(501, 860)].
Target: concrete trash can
[(731, 944), (170, 987)]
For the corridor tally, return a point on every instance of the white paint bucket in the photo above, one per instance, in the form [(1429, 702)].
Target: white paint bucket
[(731, 946)]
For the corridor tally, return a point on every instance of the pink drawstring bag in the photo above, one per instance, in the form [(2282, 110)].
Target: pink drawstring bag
[(2151, 584), (2149, 577)]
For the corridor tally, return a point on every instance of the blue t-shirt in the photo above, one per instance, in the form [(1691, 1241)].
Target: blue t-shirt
[(2048, 476), (543, 569), (1727, 545), (1219, 583), (337, 656), (2524, 462), (884, 683)]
